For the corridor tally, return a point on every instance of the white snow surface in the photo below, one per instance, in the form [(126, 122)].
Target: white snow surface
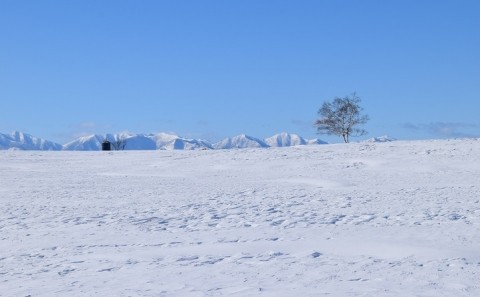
[(360, 219)]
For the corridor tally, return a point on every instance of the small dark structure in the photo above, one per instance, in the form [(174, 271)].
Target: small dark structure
[(106, 145)]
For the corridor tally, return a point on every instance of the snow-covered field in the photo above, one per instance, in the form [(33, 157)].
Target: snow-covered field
[(364, 219)]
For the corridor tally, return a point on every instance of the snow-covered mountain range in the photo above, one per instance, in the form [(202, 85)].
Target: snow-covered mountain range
[(287, 139), (384, 138), (240, 141), (22, 141), (159, 141)]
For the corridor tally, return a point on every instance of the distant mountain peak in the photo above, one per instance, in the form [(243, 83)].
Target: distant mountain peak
[(316, 141), (285, 139), (384, 138), (240, 141), (23, 141)]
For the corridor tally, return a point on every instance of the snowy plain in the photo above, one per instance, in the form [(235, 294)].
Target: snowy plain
[(364, 219)]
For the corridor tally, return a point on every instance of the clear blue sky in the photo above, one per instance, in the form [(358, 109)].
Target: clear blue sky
[(213, 69)]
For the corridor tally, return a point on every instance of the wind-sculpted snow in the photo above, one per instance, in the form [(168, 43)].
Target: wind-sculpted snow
[(363, 219)]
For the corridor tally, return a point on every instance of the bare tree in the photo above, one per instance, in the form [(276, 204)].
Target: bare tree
[(119, 143), (342, 117)]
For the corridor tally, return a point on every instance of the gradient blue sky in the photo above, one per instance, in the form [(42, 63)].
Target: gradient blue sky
[(212, 69)]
